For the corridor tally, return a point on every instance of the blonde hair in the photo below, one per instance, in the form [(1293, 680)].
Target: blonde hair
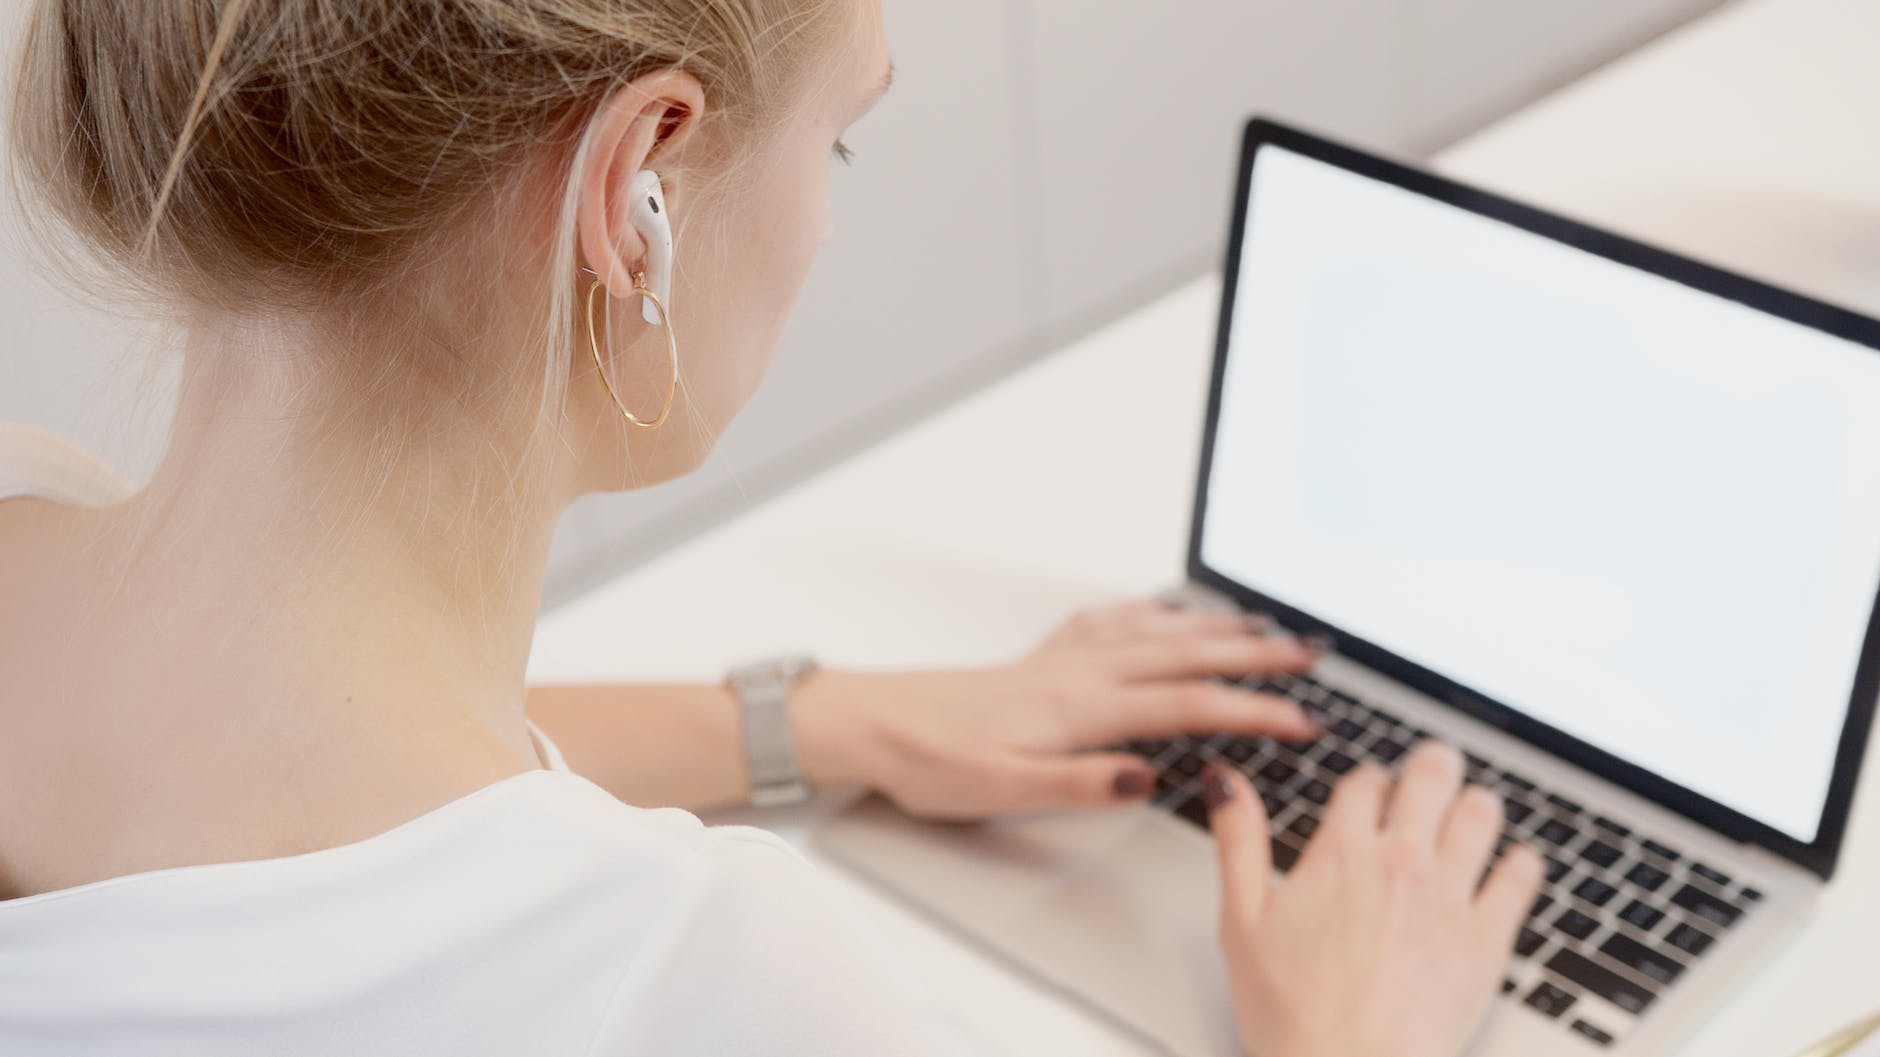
[(309, 153)]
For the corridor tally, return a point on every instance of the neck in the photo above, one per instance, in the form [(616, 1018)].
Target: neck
[(340, 569)]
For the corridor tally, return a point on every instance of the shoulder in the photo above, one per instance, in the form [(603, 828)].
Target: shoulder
[(758, 952)]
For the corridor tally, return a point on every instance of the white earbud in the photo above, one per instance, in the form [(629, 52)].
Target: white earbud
[(650, 219)]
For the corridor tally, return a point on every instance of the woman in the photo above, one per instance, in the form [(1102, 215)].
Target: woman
[(271, 781)]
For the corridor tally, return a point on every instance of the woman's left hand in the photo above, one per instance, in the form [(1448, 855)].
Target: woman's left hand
[(1029, 736)]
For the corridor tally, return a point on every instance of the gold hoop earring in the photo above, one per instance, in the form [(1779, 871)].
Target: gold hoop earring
[(672, 351)]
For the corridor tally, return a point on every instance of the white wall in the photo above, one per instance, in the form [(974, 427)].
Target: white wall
[(1041, 166)]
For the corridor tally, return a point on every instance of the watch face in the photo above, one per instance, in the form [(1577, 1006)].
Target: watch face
[(777, 670)]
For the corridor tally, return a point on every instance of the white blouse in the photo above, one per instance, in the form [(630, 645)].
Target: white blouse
[(536, 916)]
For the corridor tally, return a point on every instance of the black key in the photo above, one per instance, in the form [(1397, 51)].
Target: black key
[(1528, 942), (1610, 826), (1576, 924), (1388, 750), (1595, 891), (1692, 941), (1706, 906), (1476, 769), (1346, 730), (1280, 750), (1305, 826), (1167, 787), (1600, 853), (1563, 803), (1554, 831), (1603, 982), (1187, 765), (1194, 810), (1550, 1000), (1517, 781), (1515, 810), (1284, 855), (1647, 876), (1641, 916), (1316, 791), (1540, 905), (1277, 771), (1337, 762), (1750, 895), (1660, 850), (1634, 955), (1721, 880), (1240, 750), (1555, 869), (1273, 804), (1319, 712), (1591, 1032)]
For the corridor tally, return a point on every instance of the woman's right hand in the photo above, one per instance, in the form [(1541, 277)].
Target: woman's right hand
[(1380, 942)]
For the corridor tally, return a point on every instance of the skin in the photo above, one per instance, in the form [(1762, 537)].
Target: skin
[(269, 651), (1385, 937)]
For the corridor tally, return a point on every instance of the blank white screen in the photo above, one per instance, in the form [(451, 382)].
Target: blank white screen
[(1642, 514)]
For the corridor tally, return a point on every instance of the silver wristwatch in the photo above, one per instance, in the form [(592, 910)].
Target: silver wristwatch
[(763, 691)]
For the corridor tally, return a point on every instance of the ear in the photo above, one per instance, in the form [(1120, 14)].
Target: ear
[(646, 124)]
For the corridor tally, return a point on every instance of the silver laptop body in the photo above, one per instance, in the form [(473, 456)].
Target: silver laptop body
[(1675, 870)]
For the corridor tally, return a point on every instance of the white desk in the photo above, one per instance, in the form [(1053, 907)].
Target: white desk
[(1745, 139)]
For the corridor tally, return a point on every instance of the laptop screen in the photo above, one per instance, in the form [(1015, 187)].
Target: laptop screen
[(1642, 514)]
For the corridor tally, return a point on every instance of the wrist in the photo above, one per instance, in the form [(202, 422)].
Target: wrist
[(830, 728)]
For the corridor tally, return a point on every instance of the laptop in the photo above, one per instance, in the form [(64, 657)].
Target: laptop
[(1604, 517)]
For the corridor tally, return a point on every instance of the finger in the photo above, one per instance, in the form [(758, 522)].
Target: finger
[(1194, 707), (1357, 804), (1469, 835), (1091, 779), (1191, 656), (1508, 893), (1240, 827), (1431, 779)]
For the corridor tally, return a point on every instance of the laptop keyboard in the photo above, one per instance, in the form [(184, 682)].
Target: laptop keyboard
[(1622, 914)]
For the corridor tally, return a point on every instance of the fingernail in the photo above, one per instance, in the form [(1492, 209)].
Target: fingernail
[(1132, 782), (1319, 644), (1215, 788), (1258, 623)]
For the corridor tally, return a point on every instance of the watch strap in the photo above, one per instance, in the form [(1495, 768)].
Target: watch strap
[(763, 691)]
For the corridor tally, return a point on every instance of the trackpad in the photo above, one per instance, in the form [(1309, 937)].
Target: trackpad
[(978, 875), (1133, 930)]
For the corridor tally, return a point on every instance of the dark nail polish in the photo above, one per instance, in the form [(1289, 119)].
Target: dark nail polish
[(1215, 788), (1132, 782)]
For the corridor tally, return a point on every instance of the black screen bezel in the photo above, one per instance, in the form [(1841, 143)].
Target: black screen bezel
[(1819, 856)]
